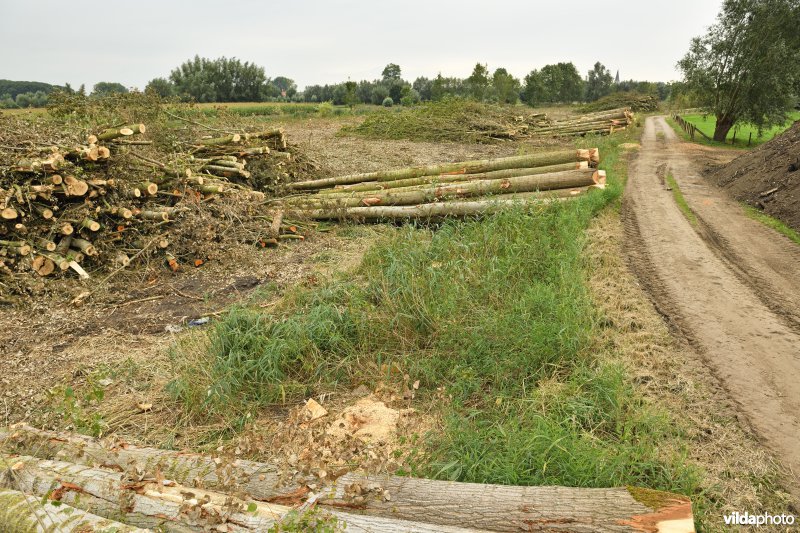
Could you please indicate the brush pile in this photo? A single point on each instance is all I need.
(468, 121)
(98, 204)
(439, 190)
(635, 101)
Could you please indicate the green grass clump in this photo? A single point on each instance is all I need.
(773, 223)
(680, 199)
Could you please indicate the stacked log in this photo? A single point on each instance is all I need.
(103, 202)
(176, 491)
(436, 191)
(599, 123)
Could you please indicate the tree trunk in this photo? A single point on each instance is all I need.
(464, 167)
(557, 180)
(22, 513)
(450, 178)
(509, 508)
(724, 125)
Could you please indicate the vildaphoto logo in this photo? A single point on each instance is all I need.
(764, 519)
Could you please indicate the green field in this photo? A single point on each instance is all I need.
(742, 132)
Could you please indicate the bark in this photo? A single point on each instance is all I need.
(147, 187)
(23, 513)
(465, 167)
(425, 211)
(91, 225)
(557, 180)
(226, 171)
(45, 244)
(126, 131)
(450, 178)
(275, 227)
(723, 127)
(507, 508)
(84, 246)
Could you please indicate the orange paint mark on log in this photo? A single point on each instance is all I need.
(674, 518)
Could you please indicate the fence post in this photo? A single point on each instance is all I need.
(693, 128)
(733, 141)
(750, 139)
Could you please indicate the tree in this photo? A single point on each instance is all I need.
(105, 88)
(506, 86)
(534, 92)
(423, 87)
(379, 94)
(161, 86)
(391, 72)
(220, 80)
(599, 82)
(478, 82)
(286, 86)
(747, 67)
(350, 98)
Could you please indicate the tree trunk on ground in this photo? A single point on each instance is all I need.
(22, 513)
(724, 125)
(463, 167)
(508, 508)
(557, 180)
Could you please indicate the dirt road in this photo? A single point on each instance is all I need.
(727, 283)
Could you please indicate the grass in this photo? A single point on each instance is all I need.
(773, 223)
(283, 110)
(680, 200)
(497, 311)
(707, 123)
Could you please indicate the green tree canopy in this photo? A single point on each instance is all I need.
(553, 83)
(285, 85)
(599, 82)
(506, 86)
(104, 88)
(391, 72)
(161, 86)
(478, 82)
(219, 80)
(747, 67)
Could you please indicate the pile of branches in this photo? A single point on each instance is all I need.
(636, 102)
(468, 121)
(440, 190)
(99, 204)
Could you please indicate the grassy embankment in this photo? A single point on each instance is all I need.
(771, 222)
(498, 312)
(706, 124)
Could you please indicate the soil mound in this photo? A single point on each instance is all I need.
(768, 177)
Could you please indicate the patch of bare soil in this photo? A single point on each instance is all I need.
(768, 177)
(738, 473)
(740, 328)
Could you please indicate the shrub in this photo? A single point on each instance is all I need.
(388, 102)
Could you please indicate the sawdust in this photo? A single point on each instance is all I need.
(369, 420)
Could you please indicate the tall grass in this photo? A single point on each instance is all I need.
(497, 312)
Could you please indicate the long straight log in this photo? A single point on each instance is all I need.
(506, 508)
(464, 167)
(227, 139)
(424, 211)
(540, 182)
(23, 513)
(450, 178)
(171, 506)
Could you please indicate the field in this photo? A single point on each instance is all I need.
(514, 349)
(743, 133)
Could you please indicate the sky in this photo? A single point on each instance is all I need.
(317, 41)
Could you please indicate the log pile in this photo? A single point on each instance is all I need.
(100, 204)
(452, 189)
(599, 123)
(64, 482)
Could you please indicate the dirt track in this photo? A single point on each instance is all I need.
(728, 284)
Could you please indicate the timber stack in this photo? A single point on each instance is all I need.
(109, 200)
(65, 482)
(599, 123)
(451, 189)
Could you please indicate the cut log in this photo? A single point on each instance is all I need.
(464, 167)
(147, 187)
(84, 246)
(91, 225)
(37, 166)
(44, 212)
(66, 229)
(45, 244)
(275, 227)
(74, 187)
(227, 139)
(43, 265)
(449, 178)
(23, 513)
(16, 247)
(9, 213)
(126, 131)
(505, 508)
(540, 182)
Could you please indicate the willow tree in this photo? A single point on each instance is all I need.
(747, 67)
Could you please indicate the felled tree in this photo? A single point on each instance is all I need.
(747, 67)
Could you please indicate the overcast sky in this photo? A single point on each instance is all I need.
(317, 41)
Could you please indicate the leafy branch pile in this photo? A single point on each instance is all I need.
(439, 190)
(458, 120)
(98, 202)
(635, 101)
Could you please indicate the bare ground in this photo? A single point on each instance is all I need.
(728, 286)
